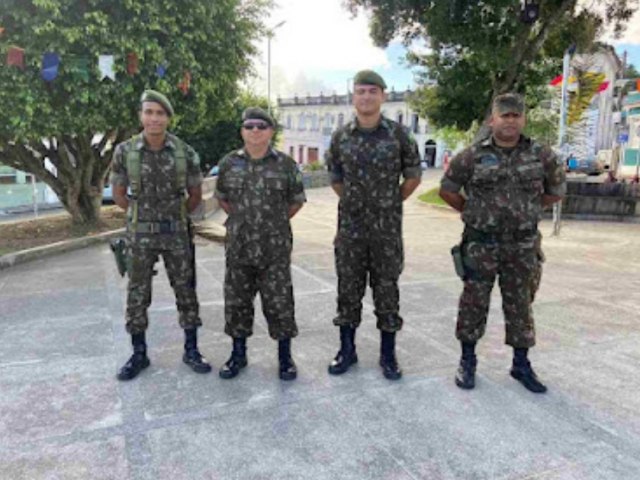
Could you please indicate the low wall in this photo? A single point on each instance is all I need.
(608, 200)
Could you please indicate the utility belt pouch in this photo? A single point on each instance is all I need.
(458, 263)
(120, 251)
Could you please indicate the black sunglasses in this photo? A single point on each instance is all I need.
(251, 126)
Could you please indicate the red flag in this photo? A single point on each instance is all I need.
(603, 86)
(185, 83)
(132, 63)
(556, 81)
(15, 57)
(638, 85)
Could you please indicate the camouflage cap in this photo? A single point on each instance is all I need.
(508, 103)
(157, 97)
(369, 77)
(256, 113)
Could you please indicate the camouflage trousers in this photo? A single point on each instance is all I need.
(518, 268)
(179, 270)
(381, 260)
(273, 281)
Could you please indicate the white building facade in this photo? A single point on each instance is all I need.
(308, 122)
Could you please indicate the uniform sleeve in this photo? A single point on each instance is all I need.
(459, 172)
(194, 174)
(333, 161)
(409, 156)
(554, 175)
(118, 177)
(221, 192)
(296, 186)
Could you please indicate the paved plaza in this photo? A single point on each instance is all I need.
(63, 414)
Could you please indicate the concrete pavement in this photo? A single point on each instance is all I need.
(64, 415)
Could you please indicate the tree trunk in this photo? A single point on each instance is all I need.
(80, 169)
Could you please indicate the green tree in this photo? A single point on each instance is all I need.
(76, 120)
(218, 139)
(478, 49)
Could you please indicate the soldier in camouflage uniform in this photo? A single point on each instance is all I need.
(149, 165)
(507, 179)
(261, 189)
(366, 159)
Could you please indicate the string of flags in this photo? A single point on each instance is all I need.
(557, 81)
(80, 65)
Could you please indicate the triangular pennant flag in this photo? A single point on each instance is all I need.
(80, 66)
(15, 57)
(161, 70)
(105, 64)
(132, 63)
(50, 64)
(603, 86)
(556, 81)
(185, 83)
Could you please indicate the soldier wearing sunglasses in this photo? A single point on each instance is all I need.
(260, 188)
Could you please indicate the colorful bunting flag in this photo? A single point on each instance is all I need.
(50, 64)
(105, 64)
(185, 83)
(15, 57)
(558, 80)
(603, 86)
(132, 63)
(79, 65)
(161, 70)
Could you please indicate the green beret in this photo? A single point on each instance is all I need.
(508, 103)
(157, 97)
(369, 77)
(256, 113)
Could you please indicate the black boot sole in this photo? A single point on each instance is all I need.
(288, 376)
(229, 373)
(342, 367)
(198, 367)
(131, 374)
(465, 385)
(530, 384)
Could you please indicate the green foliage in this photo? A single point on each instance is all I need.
(453, 136)
(480, 49)
(213, 40)
(432, 197)
(223, 136)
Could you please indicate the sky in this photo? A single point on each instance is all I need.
(320, 47)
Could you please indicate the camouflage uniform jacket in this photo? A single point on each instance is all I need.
(260, 193)
(369, 165)
(159, 199)
(504, 190)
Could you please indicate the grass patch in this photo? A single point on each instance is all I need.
(432, 197)
(55, 228)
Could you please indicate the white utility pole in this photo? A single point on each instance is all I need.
(270, 34)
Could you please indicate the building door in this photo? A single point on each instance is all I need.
(312, 154)
(430, 153)
(301, 154)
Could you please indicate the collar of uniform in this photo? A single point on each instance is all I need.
(169, 142)
(384, 122)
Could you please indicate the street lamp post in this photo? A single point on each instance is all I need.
(270, 34)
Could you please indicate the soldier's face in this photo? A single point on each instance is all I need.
(154, 118)
(368, 99)
(256, 133)
(507, 127)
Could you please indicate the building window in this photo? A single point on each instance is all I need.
(288, 121)
(340, 120)
(292, 152)
(301, 154)
(415, 123)
(301, 122)
(400, 118)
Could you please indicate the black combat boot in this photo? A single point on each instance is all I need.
(347, 354)
(138, 361)
(237, 361)
(388, 361)
(521, 370)
(466, 374)
(288, 370)
(191, 355)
